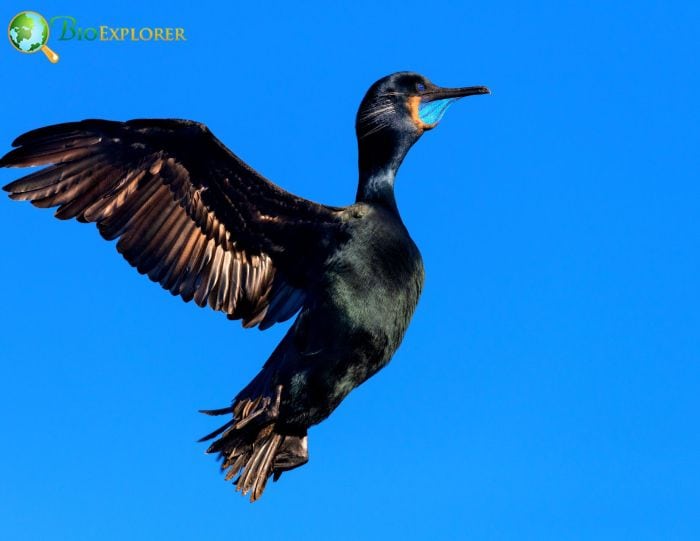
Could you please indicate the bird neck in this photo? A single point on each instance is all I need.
(377, 187)
(379, 161)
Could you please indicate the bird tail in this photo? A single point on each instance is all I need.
(251, 447)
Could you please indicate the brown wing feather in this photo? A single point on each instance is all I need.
(187, 212)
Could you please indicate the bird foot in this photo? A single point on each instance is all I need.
(293, 452)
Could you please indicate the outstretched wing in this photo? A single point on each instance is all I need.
(187, 211)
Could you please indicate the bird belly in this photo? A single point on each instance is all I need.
(354, 327)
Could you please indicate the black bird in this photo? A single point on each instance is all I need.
(196, 219)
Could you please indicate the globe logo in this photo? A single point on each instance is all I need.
(29, 32)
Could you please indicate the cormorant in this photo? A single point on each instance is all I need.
(196, 219)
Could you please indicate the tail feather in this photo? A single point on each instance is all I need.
(217, 432)
(251, 447)
(220, 411)
(257, 468)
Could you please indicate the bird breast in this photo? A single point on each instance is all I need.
(375, 282)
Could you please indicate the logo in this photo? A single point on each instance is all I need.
(29, 32)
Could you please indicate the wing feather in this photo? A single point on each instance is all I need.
(185, 210)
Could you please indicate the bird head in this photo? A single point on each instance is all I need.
(393, 115)
(404, 105)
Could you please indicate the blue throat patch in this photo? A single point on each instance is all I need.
(432, 111)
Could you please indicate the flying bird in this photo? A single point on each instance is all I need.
(195, 218)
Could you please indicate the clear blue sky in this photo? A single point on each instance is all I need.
(548, 387)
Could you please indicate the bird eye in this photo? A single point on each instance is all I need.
(420, 87)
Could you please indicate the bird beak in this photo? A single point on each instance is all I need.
(428, 107)
(439, 93)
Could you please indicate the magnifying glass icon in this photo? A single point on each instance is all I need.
(29, 32)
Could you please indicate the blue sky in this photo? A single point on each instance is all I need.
(548, 385)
